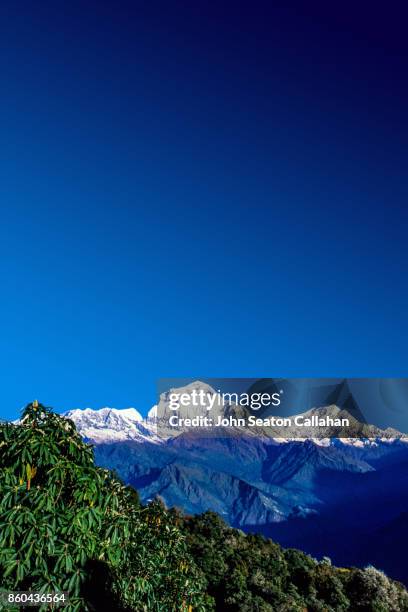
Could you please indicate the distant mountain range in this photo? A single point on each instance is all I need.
(112, 425)
(345, 498)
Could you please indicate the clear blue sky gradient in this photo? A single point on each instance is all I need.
(195, 191)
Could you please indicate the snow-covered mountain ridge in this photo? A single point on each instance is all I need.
(112, 425)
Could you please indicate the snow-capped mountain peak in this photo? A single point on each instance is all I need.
(129, 413)
(111, 425)
(152, 414)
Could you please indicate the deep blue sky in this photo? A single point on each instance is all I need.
(196, 191)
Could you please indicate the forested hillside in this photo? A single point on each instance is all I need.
(67, 525)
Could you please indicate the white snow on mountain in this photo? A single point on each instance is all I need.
(152, 414)
(112, 425)
(130, 413)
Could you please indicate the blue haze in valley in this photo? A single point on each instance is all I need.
(194, 190)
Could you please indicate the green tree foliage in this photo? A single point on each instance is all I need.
(251, 573)
(66, 524)
(372, 591)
